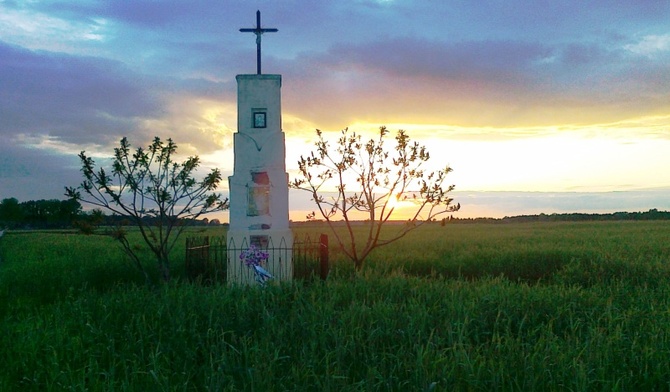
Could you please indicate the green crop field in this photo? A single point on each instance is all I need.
(475, 307)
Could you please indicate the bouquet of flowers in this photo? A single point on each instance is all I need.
(253, 257)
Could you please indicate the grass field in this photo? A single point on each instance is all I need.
(480, 307)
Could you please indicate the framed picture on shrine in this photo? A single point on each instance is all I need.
(259, 120)
(258, 200)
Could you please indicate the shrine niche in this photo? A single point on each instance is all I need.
(258, 194)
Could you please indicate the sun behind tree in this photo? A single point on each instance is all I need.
(384, 179)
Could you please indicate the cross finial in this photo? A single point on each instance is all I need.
(258, 31)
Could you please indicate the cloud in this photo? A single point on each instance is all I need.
(76, 99)
(86, 101)
(650, 45)
(411, 57)
(407, 80)
(21, 25)
(476, 83)
(31, 174)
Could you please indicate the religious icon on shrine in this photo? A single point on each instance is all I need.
(258, 194)
(259, 120)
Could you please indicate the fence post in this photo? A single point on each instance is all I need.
(323, 242)
(206, 262)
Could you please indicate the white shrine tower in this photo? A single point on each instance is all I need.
(259, 184)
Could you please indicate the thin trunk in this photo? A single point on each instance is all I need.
(164, 268)
(358, 263)
(165, 273)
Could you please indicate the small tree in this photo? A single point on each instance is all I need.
(157, 194)
(382, 179)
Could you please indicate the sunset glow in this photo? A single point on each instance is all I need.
(537, 107)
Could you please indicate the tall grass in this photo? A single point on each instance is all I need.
(421, 316)
(528, 252)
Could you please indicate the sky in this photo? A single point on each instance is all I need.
(537, 106)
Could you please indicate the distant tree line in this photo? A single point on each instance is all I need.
(62, 214)
(652, 214)
(38, 214)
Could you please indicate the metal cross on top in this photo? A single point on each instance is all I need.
(258, 31)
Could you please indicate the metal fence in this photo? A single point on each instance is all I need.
(208, 258)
